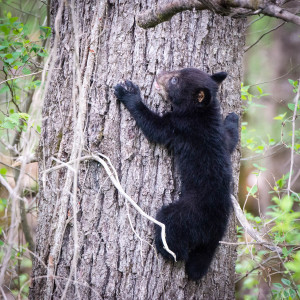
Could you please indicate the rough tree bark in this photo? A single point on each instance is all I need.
(97, 245)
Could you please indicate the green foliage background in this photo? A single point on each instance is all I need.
(279, 224)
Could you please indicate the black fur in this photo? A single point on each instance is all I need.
(201, 143)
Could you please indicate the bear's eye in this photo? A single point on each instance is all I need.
(174, 80)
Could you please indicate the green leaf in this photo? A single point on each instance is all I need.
(286, 294)
(4, 89)
(42, 54)
(286, 252)
(3, 171)
(252, 190)
(280, 117)
(291, 106)
(4, 28)
(286, 203)
(26, 71)
(23, 116)
(250, 282)
(286, 282)
(46, 31)
(274, 292)
(259, 167)
(36, 83)
(25, 58)
(16, 54)
(19, 64)
(35, 48)
(12, 20)
(8, 125)
(292, 293)
(295, 265)
(8, 55)
(257, 219)
(292, 82)
(259, 89)
(9, 61)
(11, 122)
(278, 285)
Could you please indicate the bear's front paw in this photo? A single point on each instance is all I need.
(232, 117)
(127, 92)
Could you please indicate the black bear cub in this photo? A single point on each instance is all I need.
(202, 143)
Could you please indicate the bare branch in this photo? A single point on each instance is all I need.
(162, 13)
(249, 229)
(280, 13)
(266, 8)
(152, 17)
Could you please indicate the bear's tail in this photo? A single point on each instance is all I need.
(199, 261)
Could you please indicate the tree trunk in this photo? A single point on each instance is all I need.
(94, 254)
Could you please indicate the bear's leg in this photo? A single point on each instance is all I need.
(231, 124)
(176, 237)
(199, 261)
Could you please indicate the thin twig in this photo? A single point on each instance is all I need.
(263, 156)
(244, 243)
(22, 11)
(257, 267)
(296, 99)
(272, 80)
(127, 207)
(120, 189)
(22, 76)
(252, 22)
(257, 41)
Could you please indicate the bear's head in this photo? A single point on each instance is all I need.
(189, 88)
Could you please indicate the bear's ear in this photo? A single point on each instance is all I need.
(219, 77)
(203, 96)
